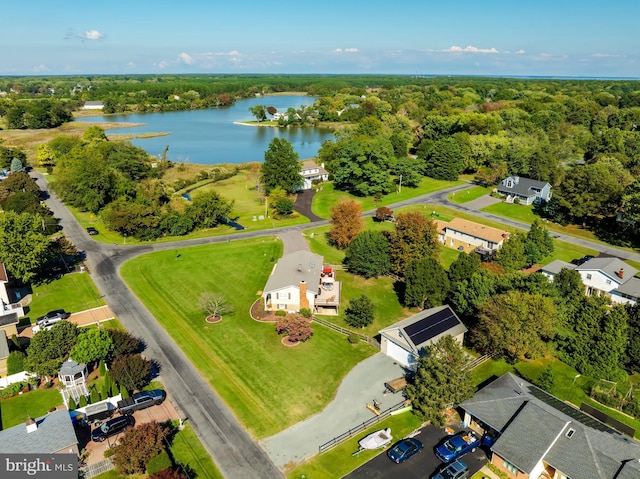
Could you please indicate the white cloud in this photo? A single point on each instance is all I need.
(41, 68)
(91, 35)
(470, 49)
(163, 64)
(186, 58)
(520, 52)
(131, 65)
(607, 55)
(345, 50)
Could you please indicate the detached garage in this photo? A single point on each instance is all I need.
(403, 341)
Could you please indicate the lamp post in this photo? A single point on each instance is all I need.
(125, 238)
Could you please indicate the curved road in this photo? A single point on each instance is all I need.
(235, 452)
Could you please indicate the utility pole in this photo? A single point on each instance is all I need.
(400, 185)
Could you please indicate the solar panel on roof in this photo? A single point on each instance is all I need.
(570, 411)
(431, 326)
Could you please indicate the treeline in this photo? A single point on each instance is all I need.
(35, 114)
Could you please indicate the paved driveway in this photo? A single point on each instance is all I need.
(362, 385)
(482, 202)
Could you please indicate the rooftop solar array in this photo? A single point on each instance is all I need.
(570, 411)
(431, 326)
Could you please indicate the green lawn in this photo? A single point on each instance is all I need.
(267, 385)
(74, 292)
(15, 410)
(187, 449)
(338, 462)
(470, 194)
(325, 199)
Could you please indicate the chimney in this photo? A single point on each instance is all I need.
(621, 273)
(304, 301)
(31, 426)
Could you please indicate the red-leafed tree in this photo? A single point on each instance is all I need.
(169, 474)
(383, 213)
(295, 326)
(138, 446)
(346, 221)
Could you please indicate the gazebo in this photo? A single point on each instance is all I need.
(73, 377)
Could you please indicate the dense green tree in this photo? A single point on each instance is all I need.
(441, 378)
(360, 312)
(18, 183)
(362, 165)
(632, 358)
(23, 245)
(283, 207)
(515, 325)
(259, 111)
(512, 256)
(538, 243)
(443, 160)
(94, 134)
(92, 345)
(281, 167)
(546, 379)
(368, 254)
(7, 154)
(48, 349)
(426, 283)
(209, 209)
(414, 236)
(463, 267)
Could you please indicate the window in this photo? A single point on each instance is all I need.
(510, 467)
(589, 276)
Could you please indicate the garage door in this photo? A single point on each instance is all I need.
(398, 353)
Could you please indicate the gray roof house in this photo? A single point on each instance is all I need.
(301, 280)
(540, 436)
(50, 434)
(604, 275)
(527, 191)
(405, 340)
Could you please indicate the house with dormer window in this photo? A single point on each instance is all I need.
(525, 190)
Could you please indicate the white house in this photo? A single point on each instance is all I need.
(301, 280)
(8, 311)
(526, 190)
(606, 276)
(405, 340)
(466, 235)
(310, 171)
(93, 105)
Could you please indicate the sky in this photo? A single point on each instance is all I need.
(582, 38)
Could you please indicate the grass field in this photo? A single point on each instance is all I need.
(267, 385)
(73, 292)
(325, 199)
(16, 409)
(470, 194)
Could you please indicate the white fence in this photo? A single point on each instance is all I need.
(15, 378)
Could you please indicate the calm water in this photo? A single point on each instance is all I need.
(210, 136)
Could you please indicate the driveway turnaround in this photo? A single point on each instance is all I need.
(362, 385)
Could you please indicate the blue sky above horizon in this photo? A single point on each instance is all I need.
(523, 38)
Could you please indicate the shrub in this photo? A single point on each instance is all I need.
(83, 401)
(305, 312)
(295, 326)
(281, 313)
(159, 463)
(124, 392)
(71, 404)
(353, 338)
(102, 368)
(94, 395)
(360, 312)
(15, 362)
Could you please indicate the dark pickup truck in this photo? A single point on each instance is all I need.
(141, 400)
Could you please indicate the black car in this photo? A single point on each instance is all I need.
(111, 427)
(141, 400)
(404, 449)
(455, 470)
(92, 231)
(52, 317)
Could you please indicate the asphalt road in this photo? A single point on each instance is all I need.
(235, 452)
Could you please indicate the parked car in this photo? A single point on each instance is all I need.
(111, 427)
(52, 317)
(581, 261)
(454, 470)
(141, 400)
(404, 449)
(457, 446)
(92, 231)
